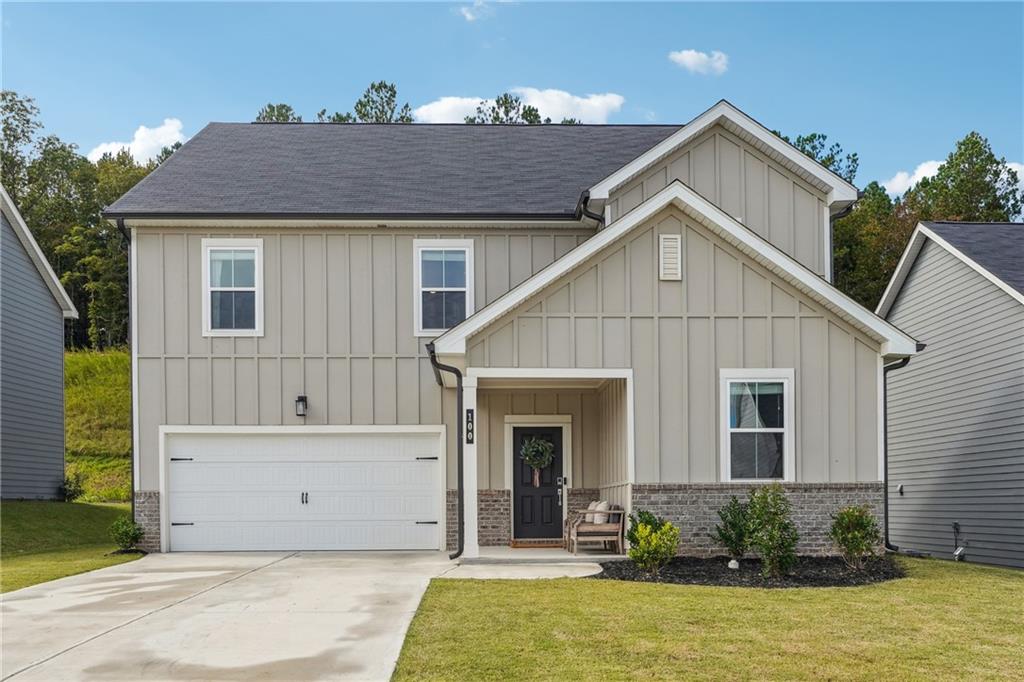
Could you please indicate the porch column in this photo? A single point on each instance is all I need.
(471, 543)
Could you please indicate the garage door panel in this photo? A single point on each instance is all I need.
(297, 491)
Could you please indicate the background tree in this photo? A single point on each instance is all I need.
(506, 109)
(971, 185)
(20, 123)
(277, 113)
(815, 145)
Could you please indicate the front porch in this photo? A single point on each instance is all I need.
(585, 414)
(539, 555)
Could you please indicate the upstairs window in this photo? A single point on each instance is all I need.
(444, 284)
(232, 287)
(757, 420)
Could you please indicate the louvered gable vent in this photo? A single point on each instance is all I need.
(670, 257)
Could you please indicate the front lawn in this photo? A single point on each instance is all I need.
(943, 621)
(41, 541)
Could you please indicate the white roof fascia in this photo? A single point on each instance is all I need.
(894, 341)
(917, 239)
(36, 255)
(838, 189)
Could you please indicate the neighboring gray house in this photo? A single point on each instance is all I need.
(956, 413)
(339, 331)
(33, 307)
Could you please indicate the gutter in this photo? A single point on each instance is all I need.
(899, 364)
(831, 228)
(438, 368)
(582, 211)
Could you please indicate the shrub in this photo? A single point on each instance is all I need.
(642, 517)
(733, 532)
(855, 532)
(772, 534)
(654, 546)
(73, 486)
(125, 533)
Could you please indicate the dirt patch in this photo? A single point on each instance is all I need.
(808, 572)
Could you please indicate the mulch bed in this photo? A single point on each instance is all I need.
(808, 572)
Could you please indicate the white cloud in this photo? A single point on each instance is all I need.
(902, 181)
(703, 63)
(551, 103)
(146, 143)
(477, 10)
(446, 110)
(559, 104)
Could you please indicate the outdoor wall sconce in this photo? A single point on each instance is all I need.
(300, 406)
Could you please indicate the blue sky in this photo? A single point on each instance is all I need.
(898, 83)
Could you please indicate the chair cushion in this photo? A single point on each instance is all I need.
(589, 518)
(597, 529)
(601, 506)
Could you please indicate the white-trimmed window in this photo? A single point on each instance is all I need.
(757, 424)
(443, 284)
(232, 287)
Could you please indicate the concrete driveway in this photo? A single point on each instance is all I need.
(258, 616)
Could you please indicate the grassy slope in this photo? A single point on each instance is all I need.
(98, 418)
(42, 541)
(943, 621)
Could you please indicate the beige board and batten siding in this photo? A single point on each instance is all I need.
(727, 312)
(956, 414)
(338, 328)
(760, 193)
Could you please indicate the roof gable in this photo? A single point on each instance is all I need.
(894, 342)
(735, 121)
(992, 249)
(35, 254)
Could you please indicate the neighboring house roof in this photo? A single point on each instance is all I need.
(36, 255)
(385, 170)
(996, 250)
(723, 113)
(894, 342)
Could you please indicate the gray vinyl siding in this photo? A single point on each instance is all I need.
(728, 312)
(31, 377)
(956, 414)
(338, 307)
(770, 200)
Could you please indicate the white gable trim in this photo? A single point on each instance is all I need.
(838, 189)
(894, 341)
(36, 255)
(907, 260)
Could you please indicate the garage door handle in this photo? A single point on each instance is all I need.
(422, 458)
(181, 459)
(426, 523)
(182, 524)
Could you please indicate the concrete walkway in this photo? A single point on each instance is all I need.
(272, 616)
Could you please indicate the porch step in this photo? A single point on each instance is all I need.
(534, 556)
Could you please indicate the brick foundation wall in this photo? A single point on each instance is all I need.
(694, 509)
(147, 515)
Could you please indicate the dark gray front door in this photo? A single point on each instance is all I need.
(537, 512)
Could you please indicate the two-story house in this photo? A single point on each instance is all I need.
(344, 334)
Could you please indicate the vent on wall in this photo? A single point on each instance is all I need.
(670, 256)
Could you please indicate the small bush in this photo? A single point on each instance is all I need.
(855, 532)
(733, 532)
(642, 517)
(772, 534)
(125, 533)
(73, 486)
(654, 546)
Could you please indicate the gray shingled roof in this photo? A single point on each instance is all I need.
(997, 247)
(386, 170)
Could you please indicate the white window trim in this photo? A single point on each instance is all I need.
(786, 376)
(420, 245)
(224, 244)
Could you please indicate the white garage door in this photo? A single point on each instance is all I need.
(328, 491)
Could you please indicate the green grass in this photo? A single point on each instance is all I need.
(41, 541)
(97, 406)
(943, 621)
